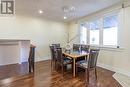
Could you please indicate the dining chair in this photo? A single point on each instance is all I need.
(62, 60)
(76, 47)
(56, 45)
(53, 56)
(90, 64)
(85, 47)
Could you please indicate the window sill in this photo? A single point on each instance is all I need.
(109, 48)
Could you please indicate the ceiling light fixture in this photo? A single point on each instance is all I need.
(68, 11)
(65, 17)
(40, 11)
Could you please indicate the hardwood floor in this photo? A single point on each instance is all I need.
(45, 77)
(13, 70)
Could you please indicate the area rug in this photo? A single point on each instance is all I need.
(122, 79)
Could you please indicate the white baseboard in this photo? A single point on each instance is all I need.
(9, 63)
(42, 59)
(114, 69)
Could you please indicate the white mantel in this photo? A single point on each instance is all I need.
(14, 51)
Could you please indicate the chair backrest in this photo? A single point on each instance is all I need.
(52, 50)
(85, 48)
(59, 55)
(76, 47)
(92, 61)
(56, 45)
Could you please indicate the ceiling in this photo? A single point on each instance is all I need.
(53, 8)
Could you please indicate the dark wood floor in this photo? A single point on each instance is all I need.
(12, 70)
(45, 77)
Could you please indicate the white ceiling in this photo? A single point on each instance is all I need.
(53, 8)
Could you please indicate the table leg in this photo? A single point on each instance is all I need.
(85, 57)
(74, 67)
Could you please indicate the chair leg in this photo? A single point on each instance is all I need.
(51, 63)
(87, 75)
(33, 67)
(62, 70)
(96, 73)
(56, 65)
(76, 69)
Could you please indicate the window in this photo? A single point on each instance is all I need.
(94, 32)
(110, 28)
(83, 34)
(103, 31)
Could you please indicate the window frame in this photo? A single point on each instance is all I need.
(108, 15)
(100, 18)
(90, 30)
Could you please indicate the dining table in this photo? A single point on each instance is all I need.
(74, 55)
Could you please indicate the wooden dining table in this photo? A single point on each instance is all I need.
(75, 55)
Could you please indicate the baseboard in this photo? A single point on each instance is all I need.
(9, 63)
(114, 69)
(42, 59)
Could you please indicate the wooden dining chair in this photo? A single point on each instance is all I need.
(76, 47)
(56, 45)
(53, 56)
(62, 60)
(90, 64)
(85, 47)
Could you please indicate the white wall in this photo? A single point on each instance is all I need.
(9, 54)
(73, 32)
(114, 59)
(40, 31)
